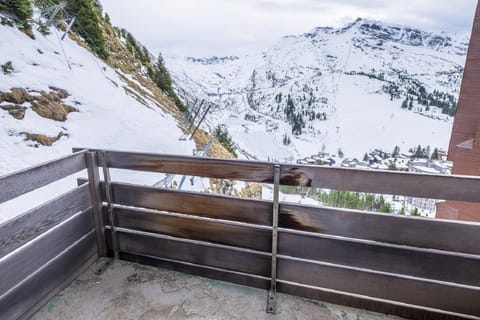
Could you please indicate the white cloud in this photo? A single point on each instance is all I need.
(229, 27)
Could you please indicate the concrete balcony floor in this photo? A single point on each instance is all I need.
(125, 290)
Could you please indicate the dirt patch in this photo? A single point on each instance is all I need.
(60, 93)
(217, 150)
(16, 95)
(50, 105)
(15, 110)
(43, 139)
(54, 110)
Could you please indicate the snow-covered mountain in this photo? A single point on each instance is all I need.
(363, 86)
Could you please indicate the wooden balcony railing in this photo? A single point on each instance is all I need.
(407, 266)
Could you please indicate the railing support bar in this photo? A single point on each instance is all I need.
(272, 302)
(108, 196)
(96, 200)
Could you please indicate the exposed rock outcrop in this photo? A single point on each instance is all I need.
(15, 110)
(43, 139)
(16, 95)
(48, 104)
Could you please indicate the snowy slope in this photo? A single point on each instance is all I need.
(356, 77)
(107, 116)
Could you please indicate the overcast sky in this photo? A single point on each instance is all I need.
(203, 28)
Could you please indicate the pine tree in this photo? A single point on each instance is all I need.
(21, 9)
(415, 212)
(396, 152)
(160, 75)
(221, 133)
(107, 18)
(87, 24)
(435, 154)
(418, 152)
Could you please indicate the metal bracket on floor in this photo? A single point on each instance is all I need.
(108, 196)
(272, 293)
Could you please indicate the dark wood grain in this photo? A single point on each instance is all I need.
(462, 188)
(94, 188)
(26, 260)
(388, 228)
(20, 182)
(443, 296)
(201, 254)
(207, 167)
(26, 298)
(392, 308)
(199, 270)
(194, 203)
(21, 229)
(403, 260)
(238, 235)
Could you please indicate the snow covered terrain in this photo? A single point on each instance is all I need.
(326, 90)
(107, 116)
(332, 88)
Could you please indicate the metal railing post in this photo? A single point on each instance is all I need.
(272, 302)
(108, 198)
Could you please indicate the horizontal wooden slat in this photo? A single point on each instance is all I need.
(20, 182)
(453, 298)
(206, 167)
(461, 188)
(21, 229)
(238, 235)
(246, 261)
(366, 303)
(199, 270)
(26, 298)
(389, 228)
(420, 185)
(388, 258)
(27, 259)
(194, 203)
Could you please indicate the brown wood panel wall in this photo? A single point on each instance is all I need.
(30, 295)
(186, 227)
(20, 182)
(28, 259)
(338, 244)
(19, 230)
(415, 291)
(385, 228)
(45, 248)
(461, 188)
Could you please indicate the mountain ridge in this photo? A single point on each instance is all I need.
(295, 84)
